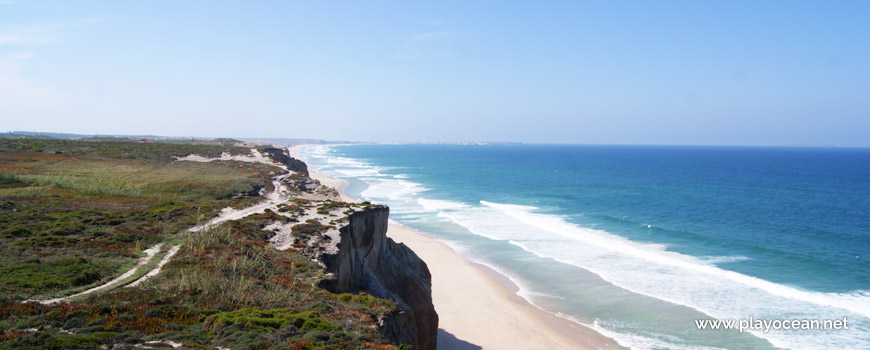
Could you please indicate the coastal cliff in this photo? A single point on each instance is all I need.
(356, 255)
(233, 260)
(281, 155)
(368, 261)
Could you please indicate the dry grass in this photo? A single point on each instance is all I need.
(83, 185)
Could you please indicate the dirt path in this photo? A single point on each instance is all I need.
(156, 269)
(272, 199)
(149, 253)
(278, 195)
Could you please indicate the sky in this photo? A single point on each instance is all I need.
(602, 72)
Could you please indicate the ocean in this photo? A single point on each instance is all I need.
(639, 242)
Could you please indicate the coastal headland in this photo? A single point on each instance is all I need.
(478, 308)
(123, 244)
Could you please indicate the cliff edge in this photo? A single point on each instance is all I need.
(281, 155)
(368, 261)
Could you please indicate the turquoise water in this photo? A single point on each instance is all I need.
(639, 241)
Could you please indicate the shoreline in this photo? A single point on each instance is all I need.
(478, 307)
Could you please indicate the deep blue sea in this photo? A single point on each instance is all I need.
(637, 242)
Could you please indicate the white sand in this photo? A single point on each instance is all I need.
(477, 307)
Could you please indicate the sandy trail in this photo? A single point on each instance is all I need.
(156, 270)
(149, 253)
(277, 196)
(255, 157)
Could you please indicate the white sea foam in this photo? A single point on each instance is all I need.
(359, 172)
(392, 189)
(723, 259)
(638, 341)
(340, 161)
(644, 268)
(656, 254)
(309, 153)
(485, 226)
(652, 270)
(437, 204)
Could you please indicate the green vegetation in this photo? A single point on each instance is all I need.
(329, 205)
(310, 227)
(85, 185)
(261, 321)
(58, 274)
(152, 151)
(61, 208)
(226, 287)
(75, 214)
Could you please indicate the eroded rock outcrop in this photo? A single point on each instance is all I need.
(368, 261)
(356, 253)
(281, 155)
(309, 188)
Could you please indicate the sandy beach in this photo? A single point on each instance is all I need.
(477, 307)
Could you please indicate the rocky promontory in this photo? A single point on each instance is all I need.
(281, 155)
(121, 245)
(369, 261)
(359, 258)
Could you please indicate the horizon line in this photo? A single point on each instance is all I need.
(464, 142)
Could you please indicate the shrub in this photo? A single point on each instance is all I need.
(46, 241)
(8, 179)
(310, 227)
(84, 185)
(62, 273)
(65, 228)
(262, 320)
(316, 336)
(318, 324)
(16, 231)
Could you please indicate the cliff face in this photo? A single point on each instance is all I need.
(281, 156)
(367, 260)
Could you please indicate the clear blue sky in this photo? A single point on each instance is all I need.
(654, 72)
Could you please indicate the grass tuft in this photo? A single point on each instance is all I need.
(84, 185)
